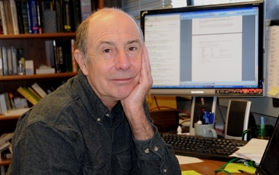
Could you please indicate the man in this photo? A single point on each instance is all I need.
(98, 122)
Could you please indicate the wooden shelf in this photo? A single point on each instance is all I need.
(36, 76)
(36, 36)
(5, 162)
(3, 117)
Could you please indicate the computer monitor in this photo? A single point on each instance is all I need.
(211, 50)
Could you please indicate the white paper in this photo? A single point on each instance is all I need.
(272, 42)
(253, 150)
(187, 160)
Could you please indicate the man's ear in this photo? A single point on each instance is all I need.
(81, 60)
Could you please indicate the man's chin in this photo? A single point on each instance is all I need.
(124, 93)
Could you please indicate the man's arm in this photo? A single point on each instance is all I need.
(154, 156)
(40, 149)
(133, 104)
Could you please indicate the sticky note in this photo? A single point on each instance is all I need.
(190, 172)
(273, 91)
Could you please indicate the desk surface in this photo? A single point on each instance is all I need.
(206, 167)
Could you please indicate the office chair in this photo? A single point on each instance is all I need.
(238, 119)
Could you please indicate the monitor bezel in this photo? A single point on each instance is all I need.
(258, 92)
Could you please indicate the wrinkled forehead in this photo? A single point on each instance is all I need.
(114, 22)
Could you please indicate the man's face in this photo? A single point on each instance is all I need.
(114, 54)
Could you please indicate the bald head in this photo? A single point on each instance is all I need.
(103, 18)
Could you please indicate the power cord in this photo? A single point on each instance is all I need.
(222, 168)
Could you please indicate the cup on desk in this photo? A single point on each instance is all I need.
(264, 132)
(205, 130)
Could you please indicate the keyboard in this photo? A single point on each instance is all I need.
(203, 147)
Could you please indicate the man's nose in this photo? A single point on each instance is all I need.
(123, 61)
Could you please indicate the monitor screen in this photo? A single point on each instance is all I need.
(212, 50)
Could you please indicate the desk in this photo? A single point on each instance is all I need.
(206, 167)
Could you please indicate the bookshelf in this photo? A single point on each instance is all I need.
(34, 49)
(36, 76)
(37, 36)
(34, 46)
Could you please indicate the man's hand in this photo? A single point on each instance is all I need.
(133, 104)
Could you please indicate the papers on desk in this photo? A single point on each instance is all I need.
(272, 41)
(187, 160)
(253, 150)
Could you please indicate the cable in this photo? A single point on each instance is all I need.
(167, 107)
(222, 168)
(221, 114)
(247, 131)
(155, 98)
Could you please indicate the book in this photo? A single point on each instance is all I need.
(66, 14)
(20, 23)
(85, 9)
(4, 146)
(28, 16)
(3, 104)
(3, 19)
(23, 102)
(67, 55)
(39, 16)
(49, 88)
(7, 99)
(7, 11)
(49, 18)
(39, 90)
(20, 103)
(49, 53)
(32, 9)
(17, 112)
(14, 16)
(58, 56)
(17, 103)
(59, 16)
(1, 110)
(12, 102)
(27, 95)
(5, 61)
(5, 140)
(76, 15)
(1, 63)
(14, 61)
(25, 16)
(10, 62)
(48, 70)
(34, 93)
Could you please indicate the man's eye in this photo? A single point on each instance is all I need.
(107, 50)
(132, 48)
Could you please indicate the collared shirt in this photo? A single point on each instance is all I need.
(71, 132)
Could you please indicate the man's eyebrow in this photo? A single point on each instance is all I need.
(113, 44)
(133, 41)
(105, 42)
